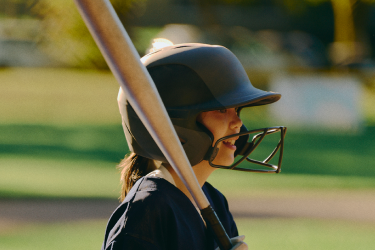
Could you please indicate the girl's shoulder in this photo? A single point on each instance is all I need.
(154, 210)
(221, 207)
(147, 189)
(153, 192)
(212, 193)
(153, 197)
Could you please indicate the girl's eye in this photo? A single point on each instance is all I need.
(222, 110)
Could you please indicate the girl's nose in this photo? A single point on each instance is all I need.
(236, 121)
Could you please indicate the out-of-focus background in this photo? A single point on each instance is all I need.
(61, 135)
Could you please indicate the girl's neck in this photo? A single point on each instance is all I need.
(202, 171)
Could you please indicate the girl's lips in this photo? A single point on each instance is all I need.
(232, 147)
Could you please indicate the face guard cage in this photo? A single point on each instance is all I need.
(249, 148)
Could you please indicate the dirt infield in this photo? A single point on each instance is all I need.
(358, 206)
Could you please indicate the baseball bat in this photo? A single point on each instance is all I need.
(133, 77)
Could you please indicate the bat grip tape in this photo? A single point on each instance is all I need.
(214, 223)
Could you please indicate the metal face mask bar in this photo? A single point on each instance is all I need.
(250, 146)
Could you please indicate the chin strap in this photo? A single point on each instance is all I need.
(211, 154)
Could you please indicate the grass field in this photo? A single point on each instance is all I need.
(60, 236)
(60, 136)
(82, 148)
(57, 96)
(282, 234)
(38, 177)
(30, 177)
(71, 114)
(295, 234)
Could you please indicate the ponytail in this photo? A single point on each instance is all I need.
(133, 167)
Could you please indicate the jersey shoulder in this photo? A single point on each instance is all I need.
(214, 194)
(153, 211)
(221, 207)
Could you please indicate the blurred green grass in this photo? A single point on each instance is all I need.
(57, 96)
(305, 153)
(76, 160)
(88, 142)
(306, 234)
(27, 177)
(68, 235)
(61, 122)
(288, 234)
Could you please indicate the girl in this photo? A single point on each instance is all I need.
(203, 88)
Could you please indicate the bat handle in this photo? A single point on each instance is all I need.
(214, 223)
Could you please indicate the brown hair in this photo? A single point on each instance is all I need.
(133, 167)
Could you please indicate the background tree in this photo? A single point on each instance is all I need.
(66, 37)
(349, 43)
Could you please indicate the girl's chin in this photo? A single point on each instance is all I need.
(224, 161)
(225, 156)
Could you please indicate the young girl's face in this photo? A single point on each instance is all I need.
(222, 123)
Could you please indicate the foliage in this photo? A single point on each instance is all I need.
(293, 6)
(16, 8)
(66, 37)
(278, 2)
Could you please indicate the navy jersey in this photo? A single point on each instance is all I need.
(157, 215)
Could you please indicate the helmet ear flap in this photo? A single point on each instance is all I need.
(199, 141)
(196, 139)
(206, 130)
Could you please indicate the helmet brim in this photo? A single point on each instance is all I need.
(256, 97)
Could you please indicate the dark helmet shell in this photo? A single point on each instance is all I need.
(191, 78)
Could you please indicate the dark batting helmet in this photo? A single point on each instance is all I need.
(194, 78)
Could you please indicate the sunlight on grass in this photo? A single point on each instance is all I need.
(58, 96)
(288, 234)
(307, 234)
(73, 235)
(62, 178)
